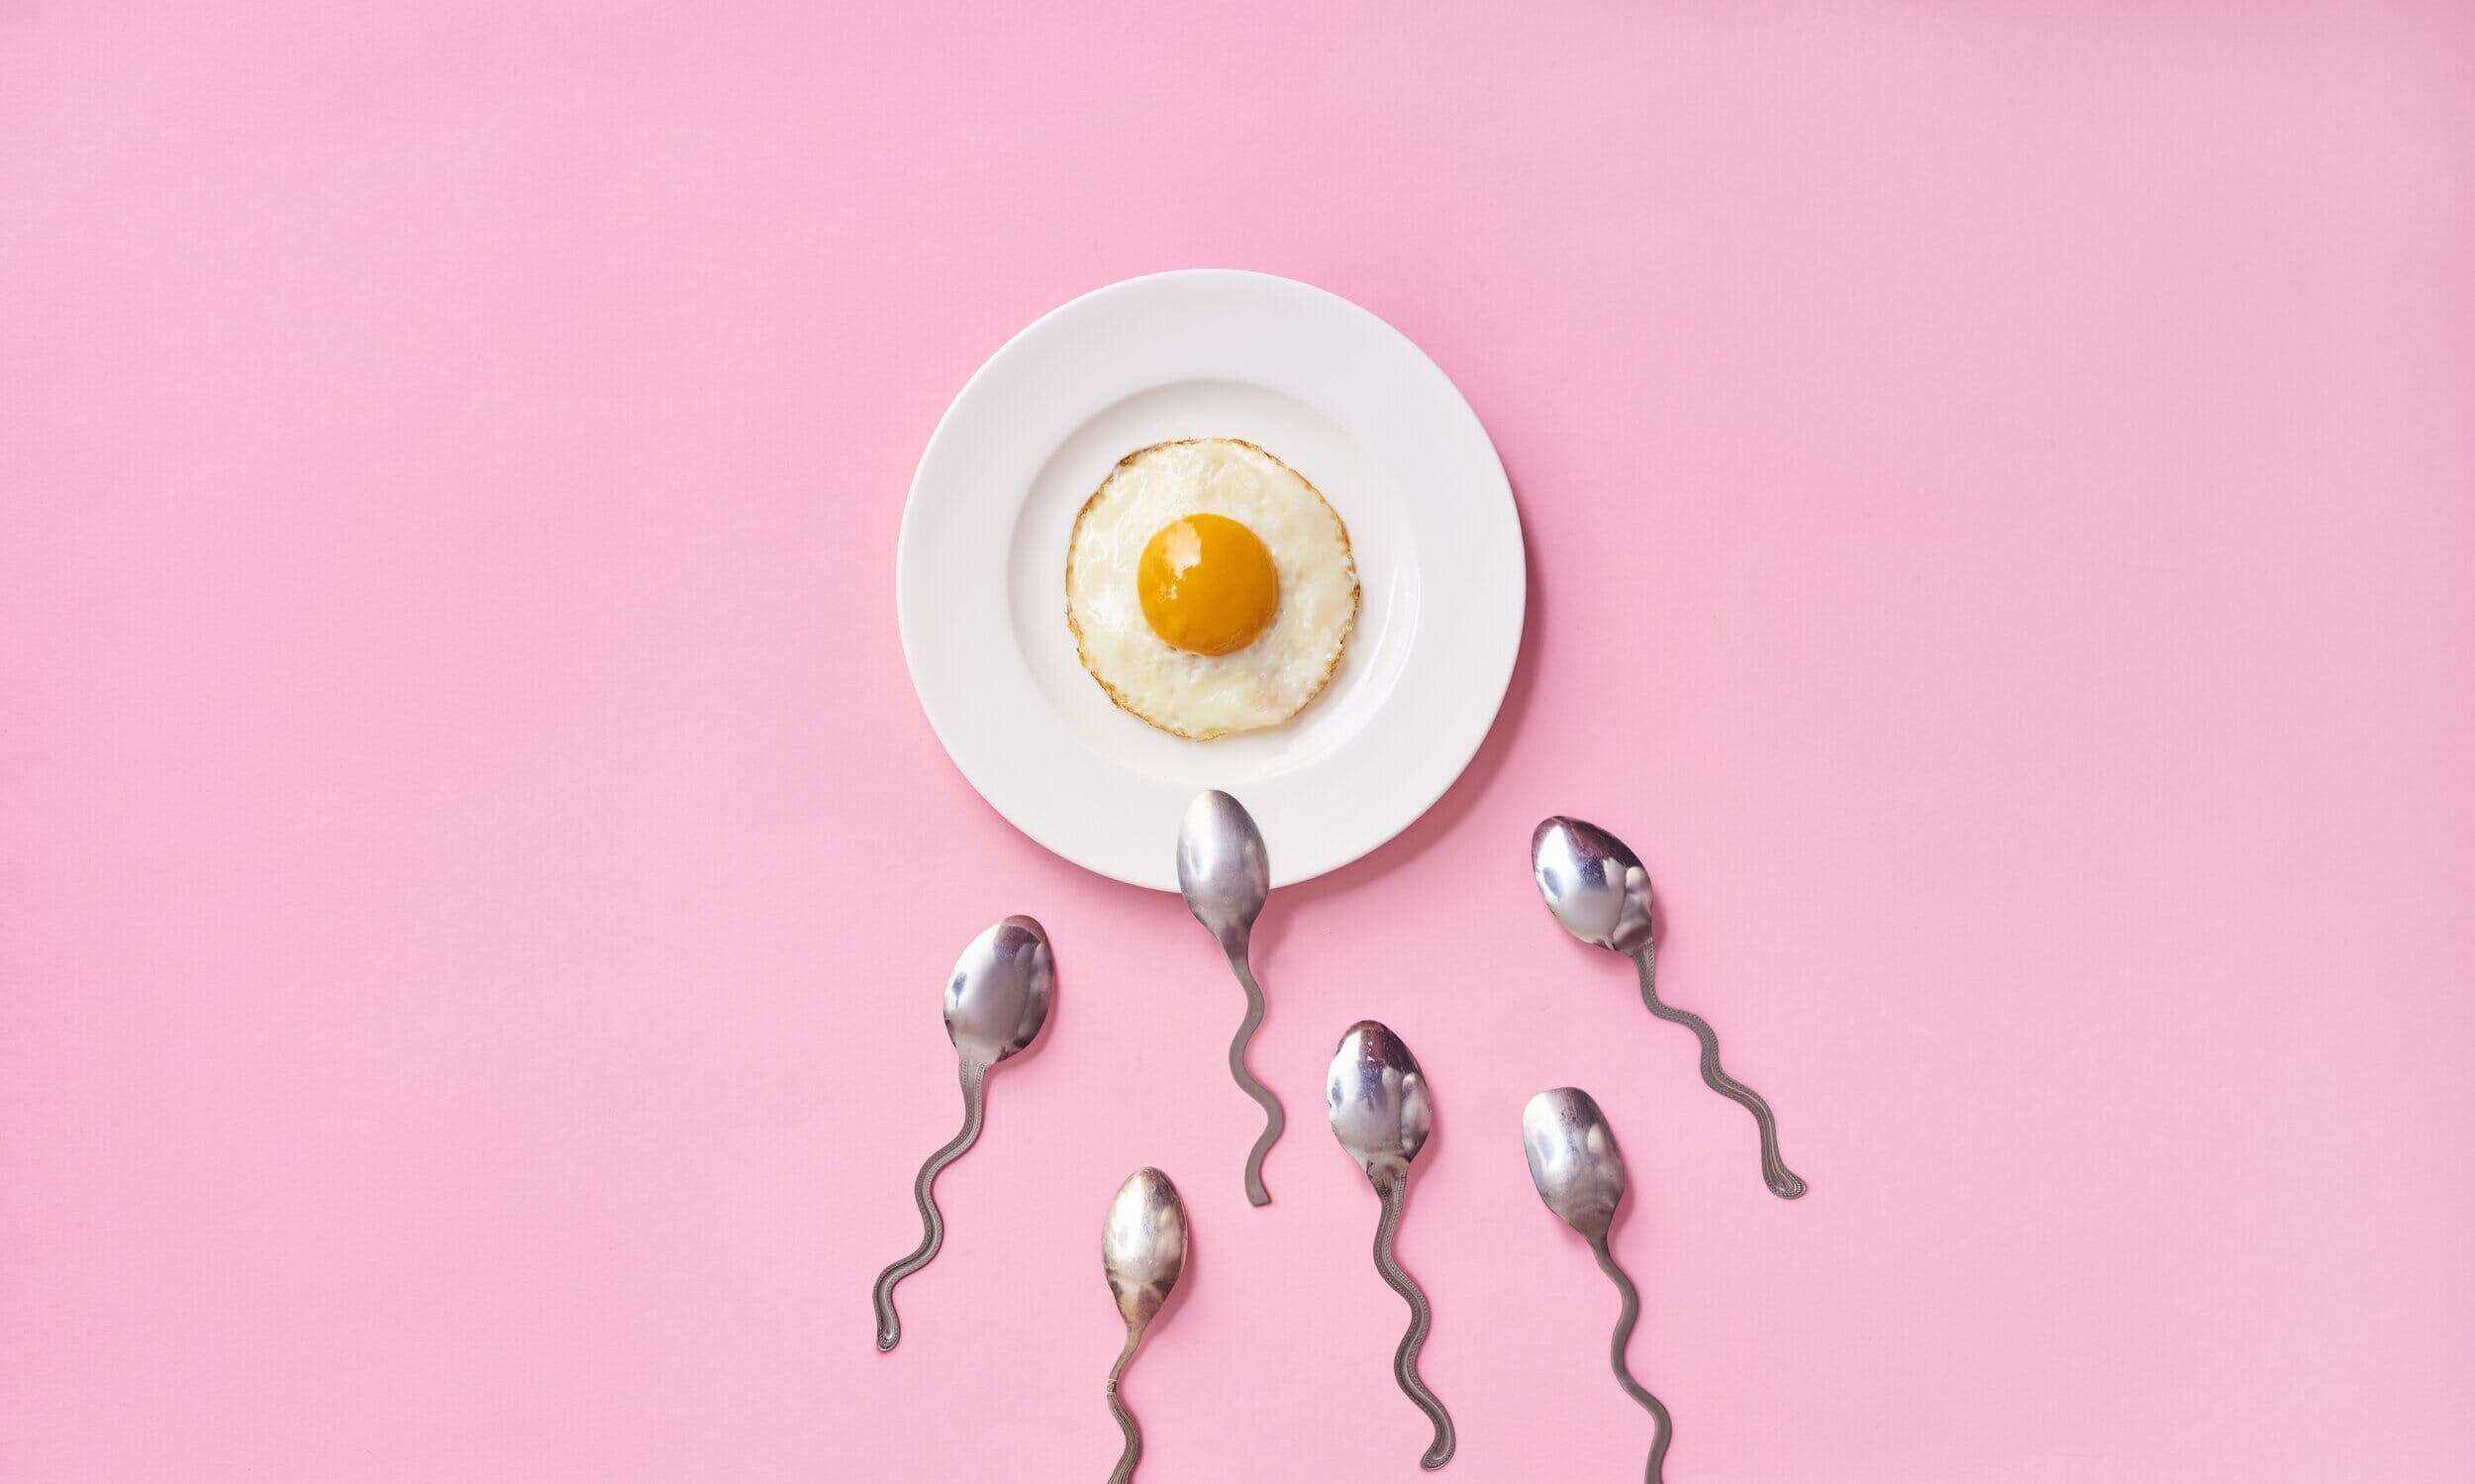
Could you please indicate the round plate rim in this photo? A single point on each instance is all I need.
(1291, 862)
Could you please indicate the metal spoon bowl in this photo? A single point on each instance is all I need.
(1223, 869)
(1573, 1159)
(1224, 876)
(995, 1005)
(1580, 1175)
(1593, 885)
(1596, 888)
(1381, 1114)
(1380, 1110)
(1143, 1251)
(999, 996)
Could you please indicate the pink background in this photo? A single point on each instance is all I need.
(475, 885)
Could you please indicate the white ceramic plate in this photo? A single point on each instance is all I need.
(1340, 395)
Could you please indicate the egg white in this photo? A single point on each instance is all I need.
(1203, 696)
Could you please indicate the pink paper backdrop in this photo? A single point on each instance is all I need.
(475, 882)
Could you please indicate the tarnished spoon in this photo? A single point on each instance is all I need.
(1224, 874)
(1580, 1174)
(1381, 1115)
(1142, 1249)
(995, 1005)
(1598, 890)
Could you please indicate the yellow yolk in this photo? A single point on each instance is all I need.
(1207, 584)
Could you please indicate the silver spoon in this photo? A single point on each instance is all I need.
(1381, 1115)
(1142, 1249)
(1580, 1174)
(1598, 890)
(995, 1005)
(1223, 873)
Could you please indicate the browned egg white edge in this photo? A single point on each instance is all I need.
(1084, 655)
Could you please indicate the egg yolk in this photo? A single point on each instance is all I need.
(1207, 584)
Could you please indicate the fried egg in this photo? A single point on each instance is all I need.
(1210, 587)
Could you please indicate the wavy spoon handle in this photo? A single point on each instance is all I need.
(932, 1220)
(1783, 1182)
(1133, 1450)
(1624, 1372)
(1405, 1359)
(1273, 1120)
